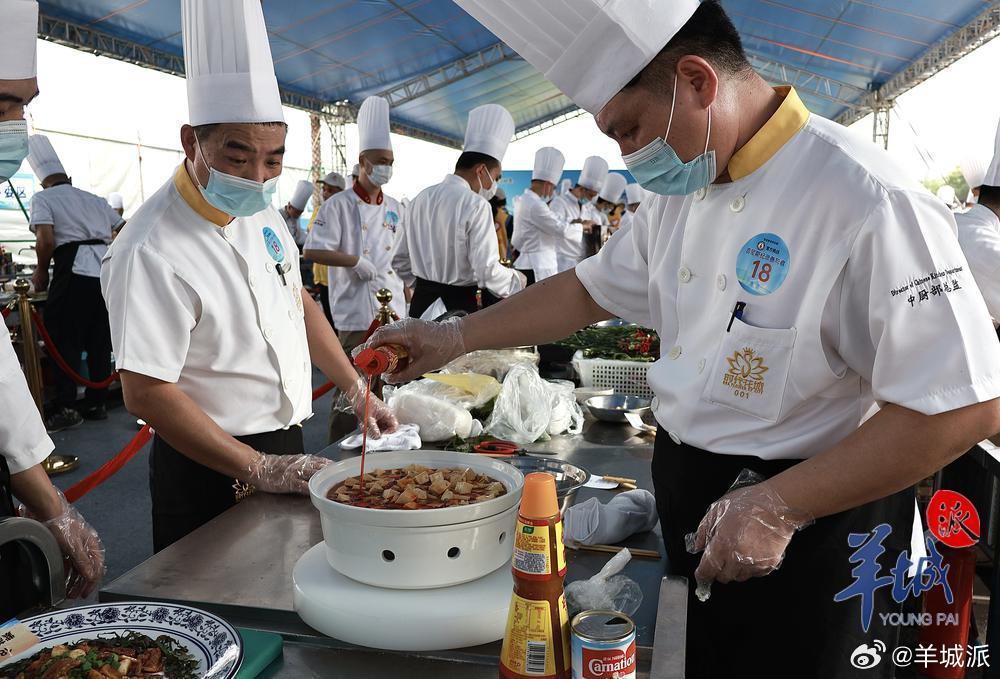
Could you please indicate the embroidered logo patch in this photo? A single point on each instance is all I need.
(746, 373)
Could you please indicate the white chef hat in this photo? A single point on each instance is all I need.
(335, 179)
(116, 200)
(356, 170)
(373, 124)
(946, 194)
(548, 164)
(42, 157)
(634, 193)
(303, 191)
(565, 185)
(613, 187)
(593, 174)
(974, 169)
(489, 131)
(992, 177)
(18, 35)
(227, 59)
(589, 49)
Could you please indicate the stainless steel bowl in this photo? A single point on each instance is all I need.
(613, 323)
(569, 477)
(613, 408)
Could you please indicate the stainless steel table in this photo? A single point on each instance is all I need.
(239, 566)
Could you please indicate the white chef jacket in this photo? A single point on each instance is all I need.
(625, 220)
(856, 292)
(571, 249)
(195, 299)
(538, 230)
(346, 223)
(450, 238)
(23, 441)
(76, 215)
(294, 227)
(979, 236)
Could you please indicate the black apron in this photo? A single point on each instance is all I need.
(784, 624)
(186, 495)
(455, 297)
(17, 593)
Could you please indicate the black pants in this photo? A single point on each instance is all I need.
(17, 592)
(785, 624)
(187, 495)
(529, 274)
(455, 297)
(77, 320)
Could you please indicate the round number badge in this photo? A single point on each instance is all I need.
(762, 264)
(273, 245)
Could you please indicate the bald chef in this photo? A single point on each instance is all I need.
(23, 441)
(355, 233)
(577, 206)
(979, 233)
(449, 248)
(783, 321)
(292, 212)
(537, 228)
(212, 330)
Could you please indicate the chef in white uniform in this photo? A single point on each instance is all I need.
(72, 230)
(449, 248)
(23, 441)
(782, 321)
(974, 170)
(609, 198)
(577, 206)
(634, 195)
(539, 230)
(213, 333)
(292, 212)
(355, 233)
(332, 184)
(979, 234)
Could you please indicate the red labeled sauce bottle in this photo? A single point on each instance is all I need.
(536, 641)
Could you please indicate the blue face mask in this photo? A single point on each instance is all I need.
(582, 201)
(13, 147)
(236, 196)
(657, 167)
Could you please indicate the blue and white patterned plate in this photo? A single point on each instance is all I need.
(212, 641)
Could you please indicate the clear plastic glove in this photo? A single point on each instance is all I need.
(381, 419)
(429, 345)
(284, 473)
(364, 270)
(744, 535)
(607, 590)
(81, 548)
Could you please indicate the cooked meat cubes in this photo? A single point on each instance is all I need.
(417, 487)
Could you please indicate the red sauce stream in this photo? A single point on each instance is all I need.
(364, 430)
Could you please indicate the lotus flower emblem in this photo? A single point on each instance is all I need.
(746, 365)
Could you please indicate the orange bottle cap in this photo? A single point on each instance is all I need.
(539, 501)
(372, 361)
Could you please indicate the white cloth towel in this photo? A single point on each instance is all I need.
(407, 437)
(593, 523)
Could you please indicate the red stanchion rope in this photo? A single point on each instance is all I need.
(6, 311)
(320, 391)
(61, 362)
(109, 468)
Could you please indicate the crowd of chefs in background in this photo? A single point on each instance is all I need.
(177, 315)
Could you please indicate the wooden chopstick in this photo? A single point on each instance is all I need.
(611, 549)
(619, 479)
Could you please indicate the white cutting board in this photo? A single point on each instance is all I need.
(400, 619)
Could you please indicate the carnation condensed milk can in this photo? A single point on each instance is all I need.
(603, 645)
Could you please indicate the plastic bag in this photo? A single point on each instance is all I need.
(523, 409)
(567, 416)
(494, 362)
(438, 420)
(606, 591)
(467, 390)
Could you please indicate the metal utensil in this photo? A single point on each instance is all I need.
(613, 323)
(613, 408)
(569, 477)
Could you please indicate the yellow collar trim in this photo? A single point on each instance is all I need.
(192, 196)
(790, 117)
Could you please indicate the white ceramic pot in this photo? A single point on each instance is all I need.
(418, 549)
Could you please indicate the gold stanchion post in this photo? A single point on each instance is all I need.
(53, 464)
(384, 315)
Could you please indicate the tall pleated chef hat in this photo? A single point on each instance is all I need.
(303, 191)
(548, 164)
(565, 185)
(18, 35)
(116, 200)
(489, 132)
(589, 49)
(593, 174)
(974, 169)
(42, 157)
(992, 177)
(634, 194)
(613, 187)
(373, 124)
(335, 179)
(227, 59)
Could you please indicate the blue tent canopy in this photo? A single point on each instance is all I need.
(435, 63)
